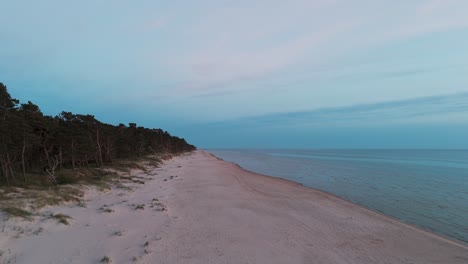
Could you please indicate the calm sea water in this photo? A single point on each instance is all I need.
(428, 188)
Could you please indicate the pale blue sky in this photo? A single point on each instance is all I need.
(299, 73)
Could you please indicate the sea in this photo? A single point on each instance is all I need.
(427, 188)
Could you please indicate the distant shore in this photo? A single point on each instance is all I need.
(197, 208)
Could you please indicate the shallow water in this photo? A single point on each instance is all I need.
(428, 188)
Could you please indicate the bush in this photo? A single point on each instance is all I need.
(67, 177)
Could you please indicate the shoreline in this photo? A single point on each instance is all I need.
(454, 241)
(197, 208)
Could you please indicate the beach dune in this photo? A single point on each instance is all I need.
(216, 212)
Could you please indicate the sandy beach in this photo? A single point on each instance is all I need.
(196, 208)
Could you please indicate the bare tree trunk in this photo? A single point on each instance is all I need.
(73, 154)
(109, 151)
(1, 167)
(61, 157)
(47, 155)
(11, 172)
(23, 160)
(5, 170)
(51, 170)
(140, 150)
(99, 149)
(9, 167)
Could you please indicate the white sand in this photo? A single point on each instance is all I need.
(220, 213)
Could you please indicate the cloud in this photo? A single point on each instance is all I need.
(425, 110)
(430, 17)
(243, 42)
(221, 69)
(155, 23)
(430, 7)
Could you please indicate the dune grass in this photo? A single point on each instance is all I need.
(36, 193)
(18, 212)
(61, 218)
(106, 260)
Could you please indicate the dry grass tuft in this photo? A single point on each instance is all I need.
(18, 212)
(140, 207)
(106, 259)
(61, 218)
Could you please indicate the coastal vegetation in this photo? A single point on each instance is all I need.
(38, 149)
(61, 218)
(18, 212)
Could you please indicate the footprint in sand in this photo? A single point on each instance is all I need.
(106, 209)
(160, 207)
(118, 233)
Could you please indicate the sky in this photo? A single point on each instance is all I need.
(249, 74)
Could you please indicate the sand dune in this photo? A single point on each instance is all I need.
(199, 209)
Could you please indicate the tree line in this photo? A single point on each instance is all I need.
(34, 143)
